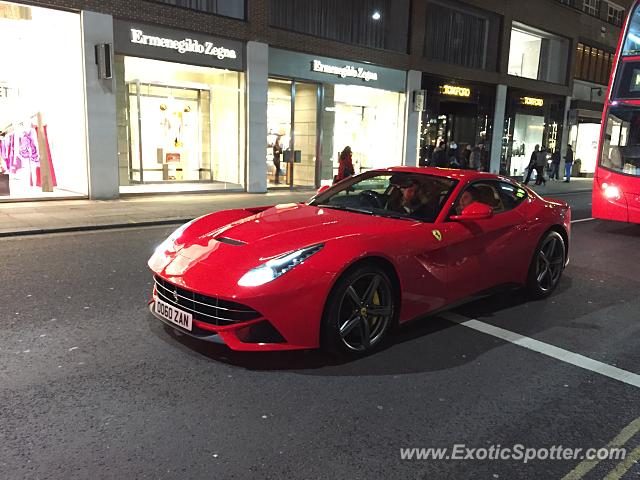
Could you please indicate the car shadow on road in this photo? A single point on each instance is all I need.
(430, 343)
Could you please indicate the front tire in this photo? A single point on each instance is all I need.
(360, 311)
(547, 265)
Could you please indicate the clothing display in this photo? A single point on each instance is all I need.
(20, 156)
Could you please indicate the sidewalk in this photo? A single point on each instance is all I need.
(558, 187)
(75, 215)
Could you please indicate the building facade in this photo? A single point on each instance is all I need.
(137, 97)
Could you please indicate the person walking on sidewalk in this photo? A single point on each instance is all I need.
(541, 161)
(568, 164)
(532, 164)
(345, 165)
(439, 158)
(475, 159)
(555, 165)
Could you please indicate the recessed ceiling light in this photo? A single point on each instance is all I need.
(376, 15)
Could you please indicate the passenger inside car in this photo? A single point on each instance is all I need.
(469, 196)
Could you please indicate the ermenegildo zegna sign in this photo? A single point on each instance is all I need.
(331, 70)
(150, 41)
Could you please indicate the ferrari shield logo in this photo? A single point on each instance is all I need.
(437, 235)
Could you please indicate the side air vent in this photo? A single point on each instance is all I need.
(231, 241)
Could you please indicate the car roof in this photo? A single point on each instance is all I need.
(453, 173)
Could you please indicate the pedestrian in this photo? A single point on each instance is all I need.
(555, 165)
(484, 158)
(439, 158)
(541, 161)
(568, 163)
(277, 152)
(345, 165)
(453, 156)
(532, 164)
(466, 157)
(475, 159)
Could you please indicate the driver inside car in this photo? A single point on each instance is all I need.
(415, 200)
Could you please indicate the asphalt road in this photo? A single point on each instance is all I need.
(92, 387)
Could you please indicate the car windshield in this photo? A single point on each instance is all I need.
(402, 195)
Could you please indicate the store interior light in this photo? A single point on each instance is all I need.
(376, 15)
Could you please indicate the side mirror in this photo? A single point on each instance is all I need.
(475, 211)
(323, 188)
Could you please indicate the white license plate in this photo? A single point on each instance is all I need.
(174, 315)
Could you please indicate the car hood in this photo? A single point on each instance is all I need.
(282, 229)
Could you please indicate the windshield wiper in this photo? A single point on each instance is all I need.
(369, 212)
(347, 209)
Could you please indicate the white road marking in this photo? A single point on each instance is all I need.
(582, 220)
(558, 353)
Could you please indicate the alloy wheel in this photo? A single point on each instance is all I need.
(549, 262)
(366, 310)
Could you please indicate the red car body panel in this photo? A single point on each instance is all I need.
(436, 264)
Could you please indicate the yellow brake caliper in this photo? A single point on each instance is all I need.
(376, 301)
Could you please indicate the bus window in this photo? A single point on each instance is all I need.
(628, 84)
(621, 141)
(632, 42)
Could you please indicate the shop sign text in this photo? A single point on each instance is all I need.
(455, 91)
(182, 46)
(7, 92)
(532, 101)
(345, 71)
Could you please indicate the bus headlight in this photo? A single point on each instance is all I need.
(611, 192)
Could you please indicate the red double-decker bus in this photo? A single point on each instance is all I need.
(616, 187)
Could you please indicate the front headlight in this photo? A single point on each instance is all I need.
(275, 267)
(611, 192)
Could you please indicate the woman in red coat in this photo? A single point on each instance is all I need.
(345, 165)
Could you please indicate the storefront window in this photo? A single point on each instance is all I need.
(42, 116)
(584, 138)
(180, 125)
(537, 54)
(369, 120)
(530, 121)
(292, 111)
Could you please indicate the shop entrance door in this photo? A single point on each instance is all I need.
(527, 133)
(292, 133)
(458, 123)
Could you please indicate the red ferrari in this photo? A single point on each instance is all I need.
(370, 252)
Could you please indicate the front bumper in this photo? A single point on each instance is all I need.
(243, 336)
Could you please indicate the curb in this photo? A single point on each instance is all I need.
(89, 228)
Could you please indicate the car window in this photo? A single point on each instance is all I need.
(512, 195)
(486, 192)
(390, 194)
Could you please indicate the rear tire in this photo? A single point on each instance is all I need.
(547, 265)
(360, 311)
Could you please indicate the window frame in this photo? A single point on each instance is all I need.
(591, 7)
(207, 12)
(495, 183)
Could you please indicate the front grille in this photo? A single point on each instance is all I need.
(205, 309)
